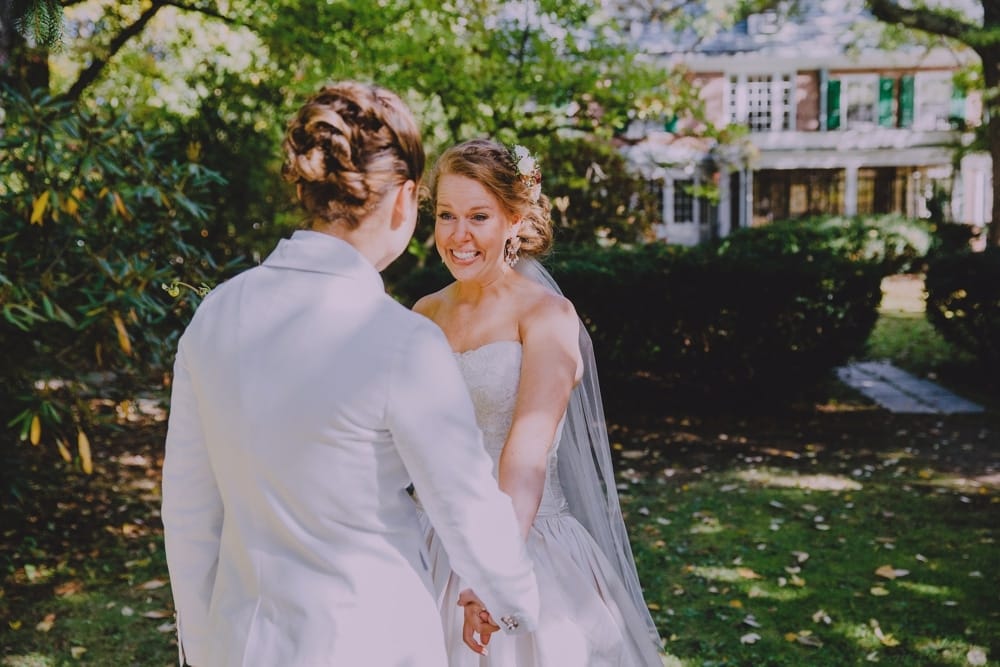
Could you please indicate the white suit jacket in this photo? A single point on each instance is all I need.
(304, 402)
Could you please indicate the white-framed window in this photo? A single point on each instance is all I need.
(859, 101)
(763, 102)
(932, 100)
(683, 201)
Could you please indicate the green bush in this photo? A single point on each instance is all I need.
(95, 222)
(963, 301)
(751, 317)
(896, 243)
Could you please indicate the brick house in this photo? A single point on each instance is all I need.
(835, 126)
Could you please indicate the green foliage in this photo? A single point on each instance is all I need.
(596, 195)
(96, 219)
(895, 243)
(750, 317)
(39, 21)
(963, 301)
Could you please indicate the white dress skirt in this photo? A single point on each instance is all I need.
(587, 618)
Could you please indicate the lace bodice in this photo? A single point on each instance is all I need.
(493, 373)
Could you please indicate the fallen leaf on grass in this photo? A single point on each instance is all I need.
(747, 573)
(46, 623)
(166, 627)
(77, 651)
(128, 611)
(156, 613)
(153, 584)
(878, 591)
(804, 637)
(750, 620)
(800, 556)
(736, 604)
(821, 615)
(976, 656)
(750, 638)
(68, 588)
(889, 572)
(886, 639)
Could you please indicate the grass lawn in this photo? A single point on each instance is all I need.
(825, 533)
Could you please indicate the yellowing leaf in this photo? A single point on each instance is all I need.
(123, 338)
(153, 584)
(878, 591)
(46, 624)
(736, 604)
(64, 450)
(38, 208)
(83, 445)
(120, 206)
(77, 651)
(35, 435)
(14, 625)
(889, 572)
(747, 573)
(104, 191)
(71, 204)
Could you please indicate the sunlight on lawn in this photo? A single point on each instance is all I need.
(29, 660)
(786, 480)
(945, 592)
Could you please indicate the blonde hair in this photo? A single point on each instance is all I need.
(346, 146)
(491, 165)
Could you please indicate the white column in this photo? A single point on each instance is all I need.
(746, 215)
(851, 189)
(724, 219)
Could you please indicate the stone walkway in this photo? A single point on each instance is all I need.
(898, 391)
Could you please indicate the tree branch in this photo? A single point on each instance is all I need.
(93, 71)
(928, 20)
(214, 13)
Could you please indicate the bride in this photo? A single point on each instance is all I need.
(529, 366)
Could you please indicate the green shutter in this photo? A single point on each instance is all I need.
(906, 101)
(886, 92)
(833, 104)
(956, 116)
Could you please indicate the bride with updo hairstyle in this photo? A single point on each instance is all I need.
(528, 362)
(346, 147)
(305, 402)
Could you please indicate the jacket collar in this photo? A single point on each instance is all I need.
(313, 251)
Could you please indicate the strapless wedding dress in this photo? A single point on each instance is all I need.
(586, 617)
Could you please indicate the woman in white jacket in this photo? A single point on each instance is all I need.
(304, 402)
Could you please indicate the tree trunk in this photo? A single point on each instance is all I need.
(991, 77)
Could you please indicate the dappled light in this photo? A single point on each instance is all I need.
(821, 482)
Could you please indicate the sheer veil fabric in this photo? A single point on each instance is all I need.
(585, 468)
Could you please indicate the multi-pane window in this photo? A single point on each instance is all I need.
(763, 102)
(859, 101)
(933, 101)
(683, 201)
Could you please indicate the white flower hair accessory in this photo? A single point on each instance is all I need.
(527, 169)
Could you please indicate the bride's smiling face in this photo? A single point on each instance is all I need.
(471, 229)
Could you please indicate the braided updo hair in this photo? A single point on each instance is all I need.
(492, 166)
(346, 147)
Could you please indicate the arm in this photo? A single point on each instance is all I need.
(550, 367)
(433, 424)
(192, 517)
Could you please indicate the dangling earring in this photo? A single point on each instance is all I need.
(510, 250)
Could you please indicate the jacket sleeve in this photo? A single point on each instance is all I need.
(192, 516)
(433, 424)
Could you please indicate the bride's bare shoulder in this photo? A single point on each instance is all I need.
(544, 307)
(429, 305)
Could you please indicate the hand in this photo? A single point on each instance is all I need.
(477, 621)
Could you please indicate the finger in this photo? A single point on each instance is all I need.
(470, 627)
